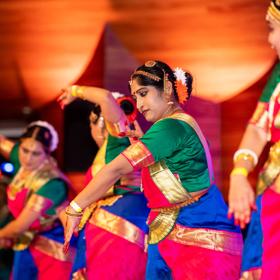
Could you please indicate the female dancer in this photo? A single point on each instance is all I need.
(35, 195)
(190, 236)
(112, 243)
(261, 253)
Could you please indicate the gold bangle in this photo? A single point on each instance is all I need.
(68, 213)
(78, 91)
(239, 171)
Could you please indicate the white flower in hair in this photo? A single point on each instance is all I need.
(51, 129)
(117, 95)
(180, 75)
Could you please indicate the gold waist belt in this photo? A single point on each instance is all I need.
(164, 222)
(218, 240)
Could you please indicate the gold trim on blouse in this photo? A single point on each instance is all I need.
(118, 226)
(39, 203)
(271, 169)
(138, 155)
(53, 249)
(217, 240)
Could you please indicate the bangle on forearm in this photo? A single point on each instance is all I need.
(68, 213)
(76, 207)
(239, 171)
(78, 91)
(246, 154)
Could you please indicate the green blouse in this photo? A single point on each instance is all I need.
(177, 143)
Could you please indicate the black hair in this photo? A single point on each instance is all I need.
(40, 134)
(159, 68)
(96, 109)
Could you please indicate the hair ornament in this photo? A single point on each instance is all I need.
(51, 129)
(150, 63)
(273, 11)
(181, 84)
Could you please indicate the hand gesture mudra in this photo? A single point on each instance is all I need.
(70, 227)
(65, 97)
(134, 133)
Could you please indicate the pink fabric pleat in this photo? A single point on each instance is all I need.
(191, 262)
(111, 257)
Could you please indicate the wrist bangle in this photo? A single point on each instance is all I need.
(239, 171)
(246, 154)
(76, 207)
(78, 91)
(68, 213)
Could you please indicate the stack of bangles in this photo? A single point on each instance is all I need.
(78, 210)
(246, 155)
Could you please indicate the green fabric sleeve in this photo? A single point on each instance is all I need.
(165, 137)
(271, 84)
(115, 146)
(56, 191)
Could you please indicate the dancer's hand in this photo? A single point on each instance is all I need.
(65, 97)
(70, 227)
(241, 200)
(134, 133)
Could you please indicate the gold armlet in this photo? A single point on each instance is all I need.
(78, 91)
(78, 215)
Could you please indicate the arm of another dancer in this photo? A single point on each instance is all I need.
(96, 188)
(241, 193)
(111, 111)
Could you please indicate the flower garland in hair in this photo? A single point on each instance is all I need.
(51, 129)
(181, 84)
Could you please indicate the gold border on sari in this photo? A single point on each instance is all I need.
(260, 116)
(271, 170)
(53, 249)
(168, 184)
(39, 203)
(118, 226)
(109, 201)
(138, 155)
(222, 241)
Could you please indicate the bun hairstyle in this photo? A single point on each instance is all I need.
(155, 73)
(44, 133)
